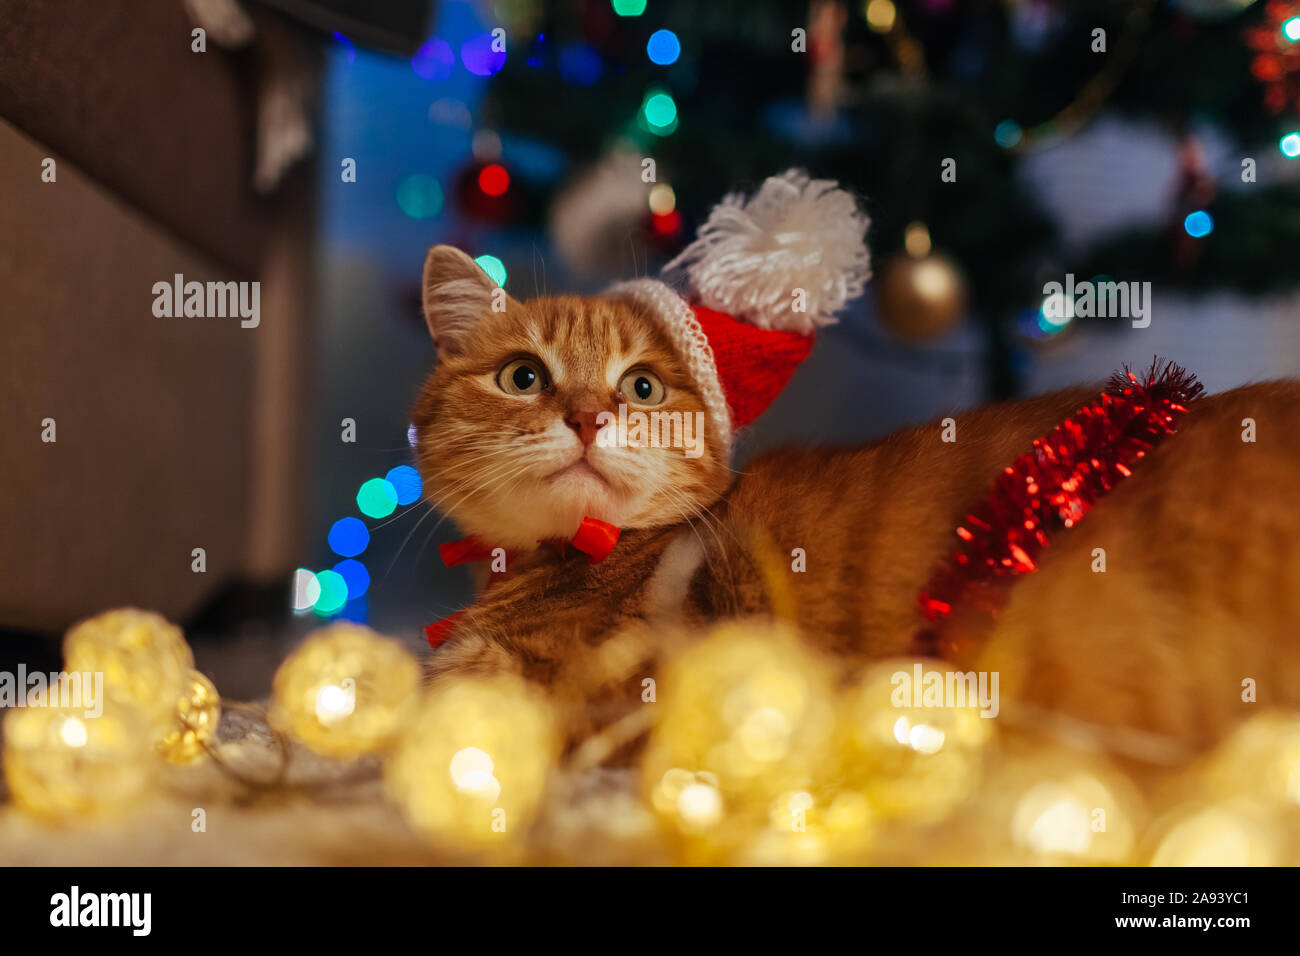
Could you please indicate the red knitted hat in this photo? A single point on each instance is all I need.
(762, 275)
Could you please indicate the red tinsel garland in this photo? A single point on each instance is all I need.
(1048, 489)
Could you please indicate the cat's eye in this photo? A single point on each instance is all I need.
(642, 387)
(524, 376)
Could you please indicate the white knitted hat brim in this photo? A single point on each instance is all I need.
(678, 322)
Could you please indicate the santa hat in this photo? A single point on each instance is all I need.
(738, 324)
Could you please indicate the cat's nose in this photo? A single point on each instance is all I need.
(583, 422)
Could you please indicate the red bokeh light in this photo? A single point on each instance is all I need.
(666, 224)
(494, 180)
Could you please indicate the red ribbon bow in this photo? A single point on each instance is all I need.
(594, 538)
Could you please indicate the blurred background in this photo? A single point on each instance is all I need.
(321, 146)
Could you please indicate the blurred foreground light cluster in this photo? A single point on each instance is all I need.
(757, 751)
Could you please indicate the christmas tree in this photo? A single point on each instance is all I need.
(929, 108)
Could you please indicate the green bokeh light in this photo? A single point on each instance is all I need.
(333, 592)
(377, 498)
(494, 267)
(628, 8)
(420, 196)
(660, 112)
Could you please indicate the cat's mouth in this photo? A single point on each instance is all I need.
(580, 469)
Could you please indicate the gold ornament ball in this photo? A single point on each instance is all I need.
(345, 692)
(197, 714)
(143, 657)
(746, 717)
(920, 298)
(907, 743)
(471, 768)
(65, 762)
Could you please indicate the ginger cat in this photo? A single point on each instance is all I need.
(1201, 588)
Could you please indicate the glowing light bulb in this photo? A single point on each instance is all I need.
(699, 805)
(922, 738)
(468, 760)
(471, 772)
(335, 702)
(1051, 819)
(73, 732)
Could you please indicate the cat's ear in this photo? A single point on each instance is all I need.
(456, 294)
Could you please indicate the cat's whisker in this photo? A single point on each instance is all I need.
(494, 478)
(428, 510)
(483, 475)
(447, 512)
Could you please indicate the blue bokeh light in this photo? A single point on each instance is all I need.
(348, 537)
(1198, 224)
(663, 47)
(479, 57)
(406, 481)
(1008, 133)
(434, 60)
(356, 576)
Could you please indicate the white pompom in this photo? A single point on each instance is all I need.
(751, 255)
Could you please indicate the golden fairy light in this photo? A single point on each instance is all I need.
(1261, 760)
(1063, 807)
(907, 743)
(750, 707)
(195, 720)
(1225, 834)
(144, 659)
(346, 691)
(65, 762)
(471, 767)
(880, 15)
(916, 240)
